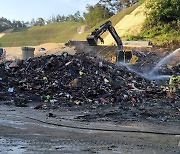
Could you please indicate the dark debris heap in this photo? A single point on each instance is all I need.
(70, 80)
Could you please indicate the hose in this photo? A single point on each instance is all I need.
(106, 130)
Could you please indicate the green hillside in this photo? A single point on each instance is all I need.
(61, 32)
(52, 33)
(115, 19)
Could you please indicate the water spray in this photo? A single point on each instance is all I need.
(165, 60)
(153, 73)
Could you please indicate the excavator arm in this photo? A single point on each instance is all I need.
(121, 55)
(96, 34)
(92, 39)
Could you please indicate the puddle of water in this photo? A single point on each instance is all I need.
(15, 124)
(12, 146)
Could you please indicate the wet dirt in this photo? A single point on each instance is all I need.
(24, 130)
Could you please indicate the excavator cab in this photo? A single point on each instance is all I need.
(121, 55)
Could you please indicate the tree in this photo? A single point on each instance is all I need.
(71, 18)
(117, 5)
(58, 18)
(96, 14)
(112, 5)
(5, 24)
(33, 22)
(163, 11)
(77, 16)
(40, 22)
(163, 19)
(17, 24)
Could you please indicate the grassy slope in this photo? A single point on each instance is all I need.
(51, 33)
(55, 32)
(114, 19)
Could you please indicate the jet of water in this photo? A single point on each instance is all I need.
(165, 60)
(153, 75)
(146, 75)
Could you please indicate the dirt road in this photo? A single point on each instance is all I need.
(5, 32)
(51, 48)
(25, 130)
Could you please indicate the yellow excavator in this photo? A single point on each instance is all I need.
(121, 55)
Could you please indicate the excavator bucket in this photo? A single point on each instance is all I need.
(92, 40)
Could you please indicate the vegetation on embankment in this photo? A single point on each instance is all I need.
(162, 24)
(52, 33)
(114, 19)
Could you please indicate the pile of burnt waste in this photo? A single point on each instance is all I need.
(146, 60)
(80, 80)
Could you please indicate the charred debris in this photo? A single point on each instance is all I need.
(87, 82)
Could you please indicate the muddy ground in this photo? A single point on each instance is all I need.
(24, 130)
